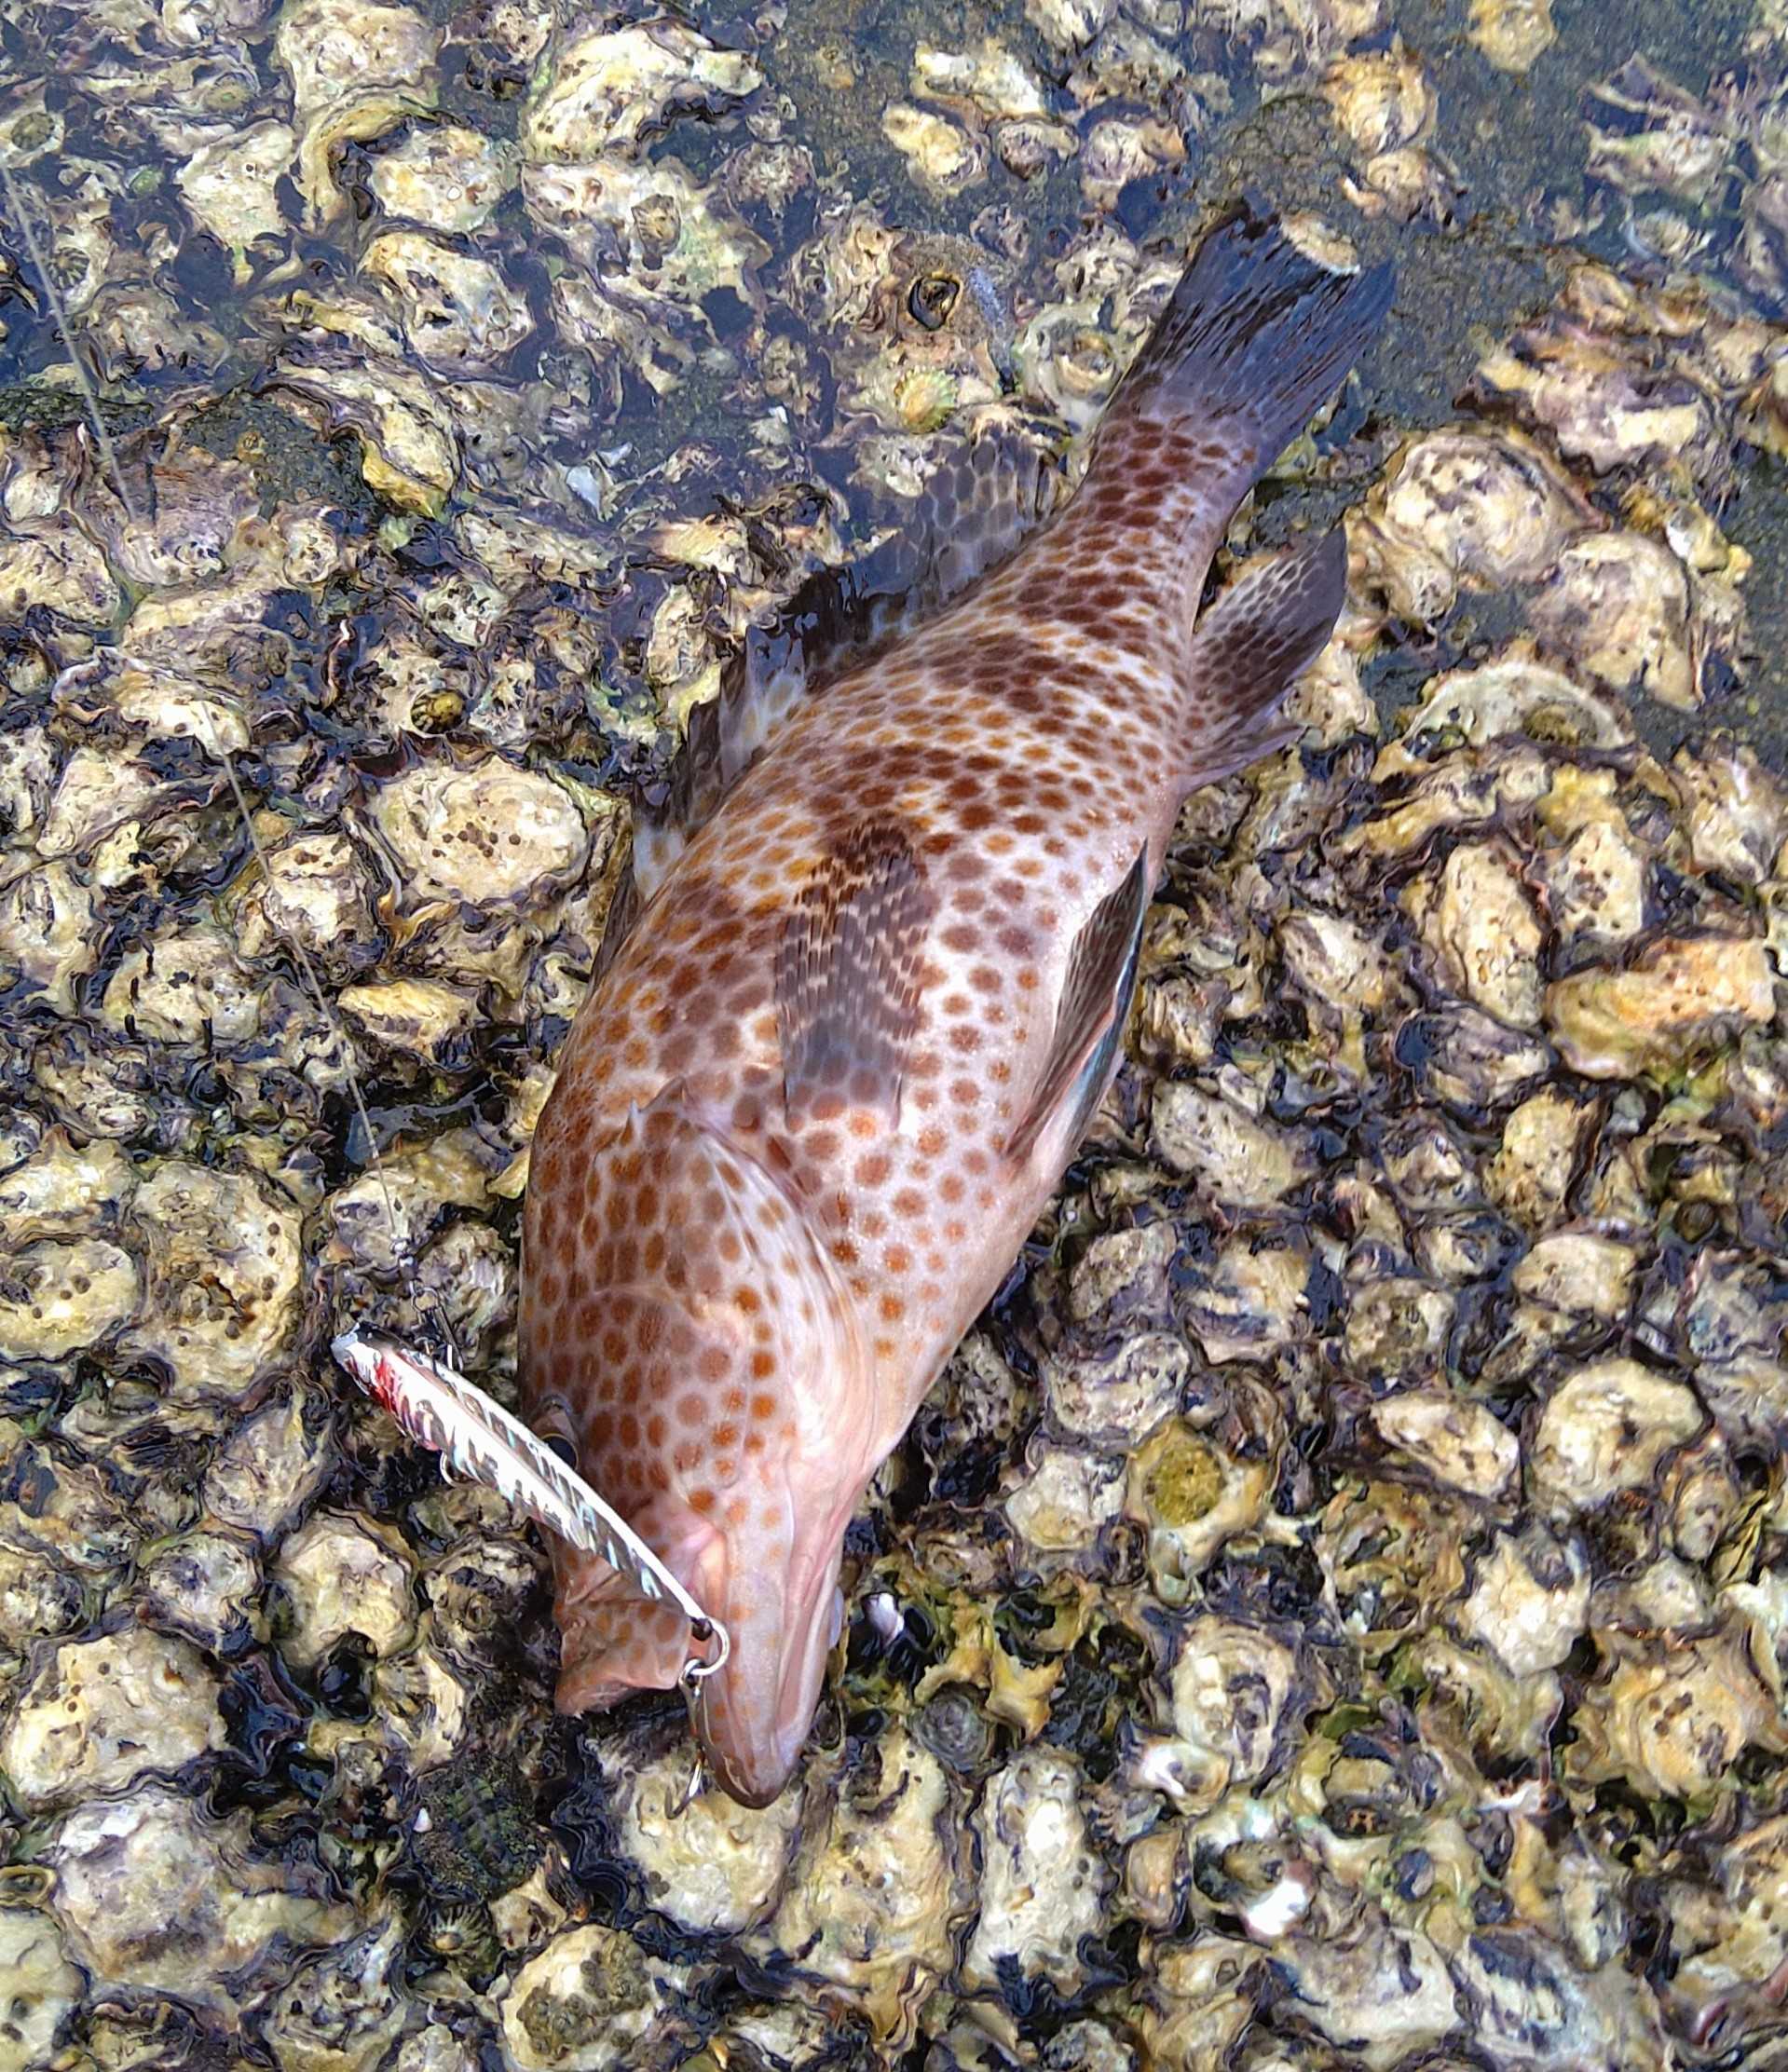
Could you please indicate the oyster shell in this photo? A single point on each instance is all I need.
(458, 313)
(101, 1712)
(592, 1999)
(1529, 1600)
(335, 1577)
(1459, 1443)
(874, 1892)
(943, 158)
(356, 67)
(607, 89)
(1606, 1428)
(1617, 605)
(1464, 508)
(1481, 922)
(447, 177)
(125, 1867)
(1681, 996)
(1332, 1611)
(709, 1864)
(1041, 1882)
(1512, 34)
(232, 188)
(43, 1987)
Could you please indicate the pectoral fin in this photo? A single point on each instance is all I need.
(846, 975)
(1089, 1021)
(612, 1639)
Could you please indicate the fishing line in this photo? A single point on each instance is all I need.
(59, 310)
(221, 754)
(441, 1330)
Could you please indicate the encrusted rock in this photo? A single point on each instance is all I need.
(337, 1577)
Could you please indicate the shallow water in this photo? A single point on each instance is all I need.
(1334, 1611)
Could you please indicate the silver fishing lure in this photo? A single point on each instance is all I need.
(478, 1438)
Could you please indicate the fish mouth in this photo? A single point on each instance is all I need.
(754, 1716)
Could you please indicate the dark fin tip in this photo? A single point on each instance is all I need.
(1256, 332)
(1091, 1014)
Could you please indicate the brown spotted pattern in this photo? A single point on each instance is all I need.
(744, 1269)
(734, 1300)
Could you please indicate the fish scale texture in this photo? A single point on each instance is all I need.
(744, 1270)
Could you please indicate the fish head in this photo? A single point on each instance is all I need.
(767, 1570)
(749, 1515)
(715, 1393)
(773, 1584)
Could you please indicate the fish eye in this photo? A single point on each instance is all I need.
(932, 297)
(563, 1447)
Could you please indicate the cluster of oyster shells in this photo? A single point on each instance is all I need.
(1334, 1612)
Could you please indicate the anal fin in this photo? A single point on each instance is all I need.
(1252, 646)
(1090, 1016)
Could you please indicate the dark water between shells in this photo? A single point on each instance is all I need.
(1514, 147)
(1471, 271)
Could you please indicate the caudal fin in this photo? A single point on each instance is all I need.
(1256, 336)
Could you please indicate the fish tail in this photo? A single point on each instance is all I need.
(1256, 336)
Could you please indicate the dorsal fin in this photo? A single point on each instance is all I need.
(1089, 1019)
(974, 512)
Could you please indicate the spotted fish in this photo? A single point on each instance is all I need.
(868, 986)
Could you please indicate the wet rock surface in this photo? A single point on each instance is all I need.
(1334, 1612)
